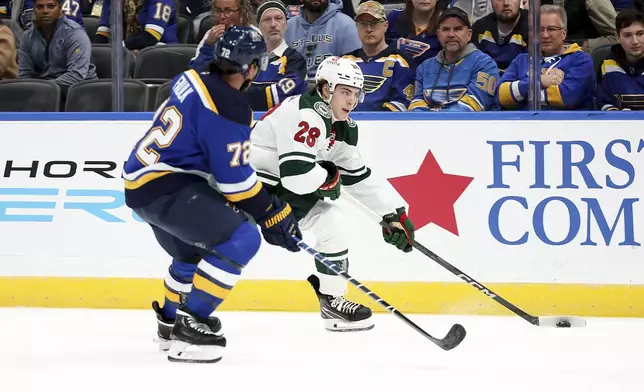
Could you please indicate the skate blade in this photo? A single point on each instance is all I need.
(338, 325)
(185, 352)
(164, 344)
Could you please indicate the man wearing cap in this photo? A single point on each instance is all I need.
(460, 78)
(388, 80)
(286, 73)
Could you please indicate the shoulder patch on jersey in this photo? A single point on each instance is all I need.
(323, 109)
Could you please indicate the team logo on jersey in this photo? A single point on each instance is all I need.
(373, 83)
(323, 109)
(412, 47)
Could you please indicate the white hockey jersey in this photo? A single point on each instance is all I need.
(291, 137)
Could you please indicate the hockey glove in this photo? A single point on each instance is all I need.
(401, 233)
(280, 225)
(331, 187)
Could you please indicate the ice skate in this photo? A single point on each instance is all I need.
(340, 314)
(196, 340)
(164, 328)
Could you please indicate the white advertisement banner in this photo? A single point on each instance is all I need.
(504, 201)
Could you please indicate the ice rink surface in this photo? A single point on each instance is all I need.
(113, 350)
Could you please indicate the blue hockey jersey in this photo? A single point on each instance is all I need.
(468, 85)
(418, 44)
(201, 133)
(575, 70)
(284, 77)
(388, 80)
(157, 18)
(71, 9)
(485, 35)
(622, 84)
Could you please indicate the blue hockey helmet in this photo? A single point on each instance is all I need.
(238, 47)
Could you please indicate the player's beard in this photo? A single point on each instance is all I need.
(246, 84)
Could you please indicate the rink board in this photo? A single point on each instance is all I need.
(544, 208)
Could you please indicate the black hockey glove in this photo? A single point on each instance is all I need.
(331, 187)
(280, 225)
(401, 233)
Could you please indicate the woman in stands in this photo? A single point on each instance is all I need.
(413, 29)
(147, 23)
(226, 13)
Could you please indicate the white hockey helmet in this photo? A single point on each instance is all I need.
(339, 70)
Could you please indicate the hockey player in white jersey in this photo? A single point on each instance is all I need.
(305, 151)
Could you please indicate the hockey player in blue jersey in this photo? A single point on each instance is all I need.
(147, 22)
(189, 177)
(285, 75)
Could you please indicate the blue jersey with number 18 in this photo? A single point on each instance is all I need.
(200, 133)
(156, 17)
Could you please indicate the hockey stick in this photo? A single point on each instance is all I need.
(453, 338)
(547, 321)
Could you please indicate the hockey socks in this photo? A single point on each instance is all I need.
(177, 281)
(330, 283)
(217, 275)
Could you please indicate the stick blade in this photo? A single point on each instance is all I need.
(453, 338)
(562, 322)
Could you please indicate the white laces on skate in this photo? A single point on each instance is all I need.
(200, 327)
(344, 305)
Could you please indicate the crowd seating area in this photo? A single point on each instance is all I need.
(147, 73)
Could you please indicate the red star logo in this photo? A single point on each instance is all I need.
(431, 194)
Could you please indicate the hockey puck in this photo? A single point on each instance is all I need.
(563, 324)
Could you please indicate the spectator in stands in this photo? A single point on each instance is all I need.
(55, 48)
(286, 72)
(475, 9)
(293, 8)
(622, 85)
(389, 82)
(71, 9)
(21, 17)
(567, 74)
(413, 29)
(321, 30)
(502, 34)
(460, 78)
(8, 65)
(591, 22)
(152, 22)
(225, 13)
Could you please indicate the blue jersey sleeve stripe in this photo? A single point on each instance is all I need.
(154, 30)
(236, 197)
(242, 186)
(144, 179)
